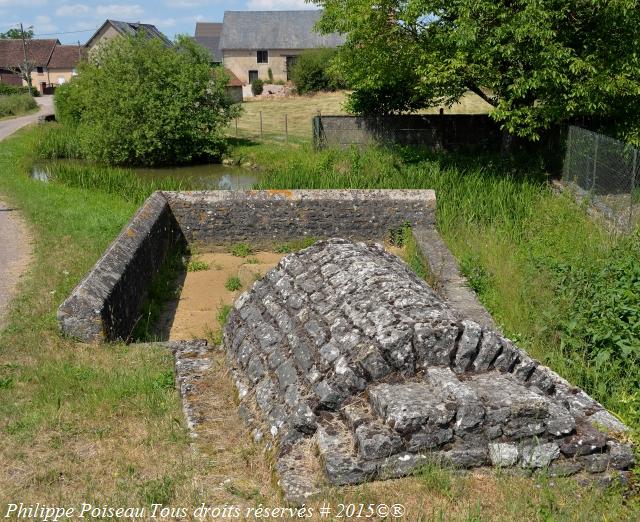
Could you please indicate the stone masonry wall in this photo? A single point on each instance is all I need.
(217, 218)
(106, 304)
(344, 345)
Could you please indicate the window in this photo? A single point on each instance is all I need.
(39, 70)
(253, 75)
(263, 56)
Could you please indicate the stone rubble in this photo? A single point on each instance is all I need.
(342, 344)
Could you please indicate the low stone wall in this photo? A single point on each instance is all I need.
(106, 304)
(344, 345)
(438, 131)
(216, 218)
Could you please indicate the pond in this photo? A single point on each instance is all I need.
(213, 176)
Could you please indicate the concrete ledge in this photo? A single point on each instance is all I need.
(217, 218)
(452, 286)
(106, 303)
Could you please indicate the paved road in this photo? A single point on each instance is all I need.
(15, 241)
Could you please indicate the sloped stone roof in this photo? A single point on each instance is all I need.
(274, 30)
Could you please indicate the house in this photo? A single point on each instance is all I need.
(208, 35)
(63, 63)
(252, 43)
(112, 28)
(53, 63)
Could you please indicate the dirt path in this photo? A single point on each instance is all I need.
(15, 240)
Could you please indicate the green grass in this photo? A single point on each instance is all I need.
(241, 250)
(295, 245)
(197, 266)
(233, 283)
(16, 105)
(103, 424)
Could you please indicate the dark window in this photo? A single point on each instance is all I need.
(263, 56)
(253, 75)
(39, 70)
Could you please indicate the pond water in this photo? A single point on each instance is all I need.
(212, 176)
(209, 177)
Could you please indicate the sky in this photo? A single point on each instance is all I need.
(76, 20)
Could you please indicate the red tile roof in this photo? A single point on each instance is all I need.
(38, 51)
(65, 57)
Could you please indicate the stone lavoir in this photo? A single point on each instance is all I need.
(343, 350)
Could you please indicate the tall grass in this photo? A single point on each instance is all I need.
(16, 104)
(123, 183)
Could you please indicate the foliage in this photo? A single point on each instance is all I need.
(197, 266)
(537, 63)
(295, 245)
(233, 283)
(140, 102)
(257, 86)
(16, 104)
(270, 75)
(6, 89)
(16, 34)
(241, 250)
(312, 72)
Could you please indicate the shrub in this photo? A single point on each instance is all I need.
(257, 86)
(139, 102)
(312, 72)
(6, 89)
(16, 104)
(270, 75)
(233, 284)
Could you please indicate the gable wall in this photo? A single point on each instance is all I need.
(241, 61)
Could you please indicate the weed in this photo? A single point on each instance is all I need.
(197, 266)
(252, 261)
(223, 314)
(233, 284)
(295, 245)
(241, 250)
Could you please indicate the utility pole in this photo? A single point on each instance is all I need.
(27, 68)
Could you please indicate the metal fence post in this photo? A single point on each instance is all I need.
(286, 128)
(261, 134)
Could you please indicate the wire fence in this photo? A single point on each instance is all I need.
(605, 172)
(271, 126)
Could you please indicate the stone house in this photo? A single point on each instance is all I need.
(53, 63)
(112, 28)
(253, 42)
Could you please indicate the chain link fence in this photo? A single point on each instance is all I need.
(605, 171)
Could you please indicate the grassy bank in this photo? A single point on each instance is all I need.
(16, 105)
(103, 424)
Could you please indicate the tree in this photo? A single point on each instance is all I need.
(16, 34)
(312, 71)
(537, 63)
(138, 102)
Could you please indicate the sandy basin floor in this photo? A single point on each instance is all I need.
(204, 293)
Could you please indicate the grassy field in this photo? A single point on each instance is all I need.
(301, 109)
(103, 424)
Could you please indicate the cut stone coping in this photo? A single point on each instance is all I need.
(342, 345)
(106, 304)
